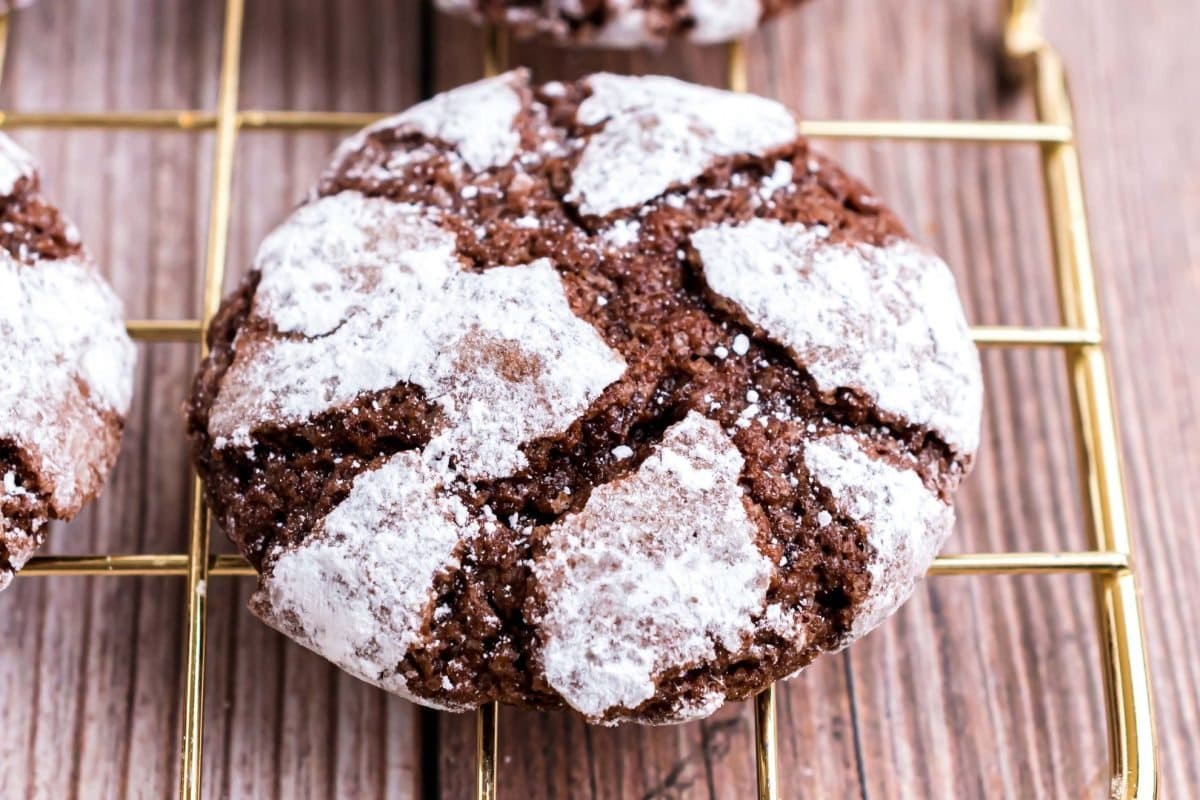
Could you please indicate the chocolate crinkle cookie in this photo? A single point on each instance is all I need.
(611, 394)
(66, 384)
(622, 23)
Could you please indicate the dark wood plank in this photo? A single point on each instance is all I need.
(979, 687)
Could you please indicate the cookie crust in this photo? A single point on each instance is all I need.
(515, 410)
(63, 400)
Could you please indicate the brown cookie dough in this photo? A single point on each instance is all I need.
(623, 23)
(612, 395)
(65, 391)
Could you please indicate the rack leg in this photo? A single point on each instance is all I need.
(1123, 647)
(3, 41)
(765, 745)
(738, 78)
(495, 56)
(1126, 673)
(192, 739)
(487, 734)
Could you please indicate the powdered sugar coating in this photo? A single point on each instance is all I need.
(723, 20)
(883, 320)
(325, 263)
(358, 589)
(476, 119)
(626, 27)
(499, 351)
(66, 324)
(657, 571)
(15, 164)
(701, 707)
(17, 542)
(660, 132)
(906, 523)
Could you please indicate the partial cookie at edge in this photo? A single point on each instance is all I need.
(63, 402)
(624, 23)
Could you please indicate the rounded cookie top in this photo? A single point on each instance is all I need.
(609, 394)
(63, 398)
(623, 23)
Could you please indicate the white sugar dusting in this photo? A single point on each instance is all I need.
(75, 364)
(906, 523)
(623, 233)
(701, 707)
(656, 571)
(324, 264)
(15, 164)
(11, 488)
(476, 119)
(18, 543)
(624, 26)
(722, 20)
(781, 177)
(500, 351)
(659, 132)
(883, 320)
(358, 590)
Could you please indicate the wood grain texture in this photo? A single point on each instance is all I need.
(980, 687)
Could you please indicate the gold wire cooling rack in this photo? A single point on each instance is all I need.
(1110, 560)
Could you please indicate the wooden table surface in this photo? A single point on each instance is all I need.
(980, 687)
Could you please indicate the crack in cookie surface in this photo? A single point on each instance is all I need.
(669, 347)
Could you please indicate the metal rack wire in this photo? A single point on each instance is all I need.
(1110, 560)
